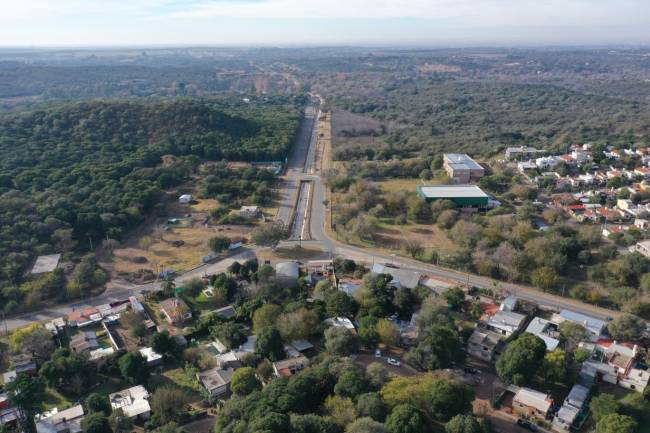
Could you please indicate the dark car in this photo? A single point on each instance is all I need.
(526, 424)
(471, 370)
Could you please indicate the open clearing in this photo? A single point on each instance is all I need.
(161, 244)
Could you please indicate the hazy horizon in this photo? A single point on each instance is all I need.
(294, 23)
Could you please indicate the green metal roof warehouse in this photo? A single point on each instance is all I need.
(462, 195)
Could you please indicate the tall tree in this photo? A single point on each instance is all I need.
(26, 393)
(521, 360)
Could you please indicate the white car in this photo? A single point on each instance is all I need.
(377, 353)
(393, 361)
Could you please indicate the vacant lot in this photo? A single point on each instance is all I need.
(346, 124)
(178, 241)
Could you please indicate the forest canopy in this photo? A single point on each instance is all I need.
(72, 172)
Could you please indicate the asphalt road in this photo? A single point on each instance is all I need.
(300, 159)
(299, 223)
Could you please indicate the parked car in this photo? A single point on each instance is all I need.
(527, 425)
(471, 370)
(377, 353)
(393, 361)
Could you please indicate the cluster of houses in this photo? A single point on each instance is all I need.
(613, 362)
(586, 190)
(91, 332)
(134, 402)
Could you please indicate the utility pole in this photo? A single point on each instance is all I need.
(4, 319)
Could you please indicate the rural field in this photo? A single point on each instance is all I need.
(177, 241)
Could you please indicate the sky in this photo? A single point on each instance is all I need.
(323, 22)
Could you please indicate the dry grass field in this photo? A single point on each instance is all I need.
(346, 124)
(180, 246)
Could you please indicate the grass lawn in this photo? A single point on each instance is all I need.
(634, 405)
(108, 385)
(178, 378)
(400, 184)
(202, 302)
(54, 399)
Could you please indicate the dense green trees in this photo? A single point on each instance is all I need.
(133, 367)
(66, 371)
(229, 333)
(439, 347)
(614, 423)
(521, 360)
(340, 341)
(269, 344)
(95, 422)
(406, 419)
(27, 394)
(243, 381)
(78, 172)
(627, 327)
(97, 403)
(603, 405)
(466, 424)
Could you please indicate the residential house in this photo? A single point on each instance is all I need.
(55, 421)
(134, 402)
(21, 365)
(101, 353)
(288, 367)
(508, 304)
(522, 152)
(341, 322)
(185, 199)
(55, 326)
(546, 162)
(610, 230)
(506, 322)
(176, 311)
(402, 278)
(594, 326)
(85, 317)
(574, 405)
(318, 270)
(84, 341)
(642, 248)
(9, 416)
(483, 344)
(531, 403)
(227, 312)
(624, 204)
(153, 358)
(233, 357)
(249, 212)
(546, 330)
(302, 345)
(437, 284)
(623, 357)
(642, 171)
(350, 285)
(526, 167)
(461, 168)
(216, 381)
